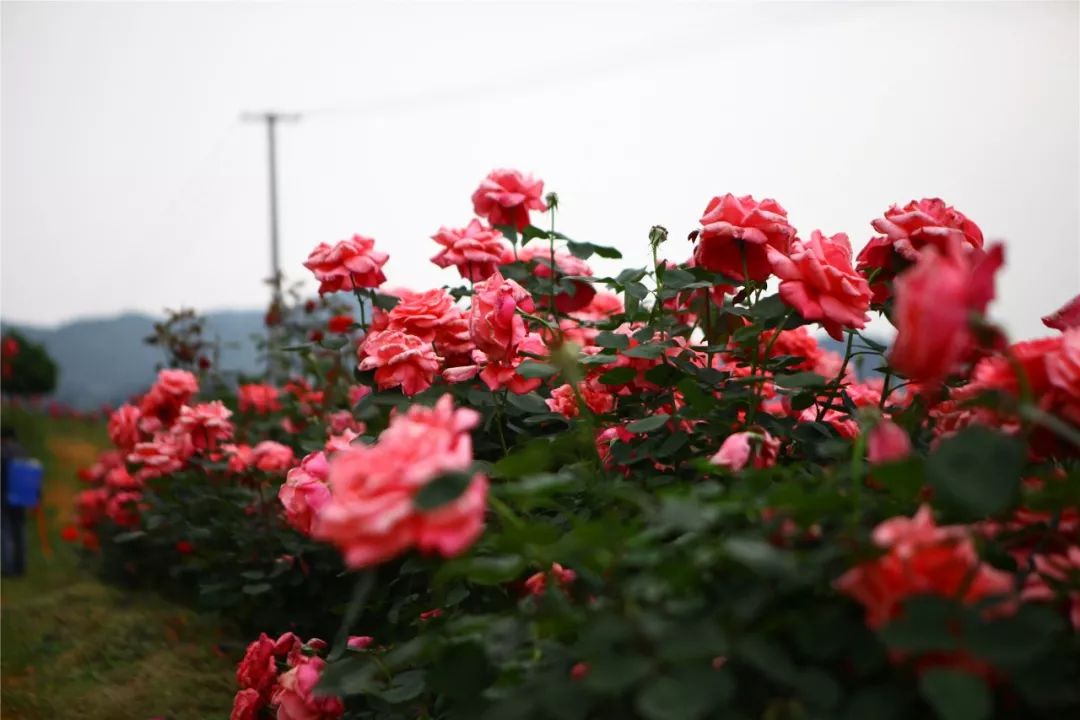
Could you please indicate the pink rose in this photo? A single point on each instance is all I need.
(399, 358)
(124, 427)
(1063, 374)
(433, 317)
(246, 705)
(173, 389)
(304, 491)
(166, 453)
(505, 197)
(207, 424)
(258, 398)
(475, 250)
(1068, 316)
(742, 448)
(118, 478)
(240, 457)
(907, 231)
(295, 694)
(358, 393)
(347, 265)
(888, 442)
(272, 457)
(818, 281)
(360, 642)
(371, 516)
(504, 374)
(596, 396)
(258, 670)
(494, 324)
(737, 230)
(934, 300)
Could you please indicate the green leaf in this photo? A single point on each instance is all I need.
(256, 588)
(760, 557)
(617, 341)
(528, 403)
(636, 290)
(613, 673)
(618, 376)
(955, 695)
(976, 473)
(676, 278)
(769, 308)
(126, 537)
(585, 250)
(442, 490)
(404, 687)
(494, 570)
(800, 380)
(648, 424)
(925, 626)
(684, 696)
(531, 369)
(645, 352)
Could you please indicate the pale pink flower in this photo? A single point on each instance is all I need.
(399, 358)
(494, 324)
(759, 450)
(475, 250)
(505, 197)
(347, 265)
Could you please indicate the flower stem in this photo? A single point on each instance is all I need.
(835, 388)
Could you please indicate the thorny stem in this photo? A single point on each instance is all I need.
(759, 387)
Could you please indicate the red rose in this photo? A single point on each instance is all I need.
(735, 233)
(505, 197)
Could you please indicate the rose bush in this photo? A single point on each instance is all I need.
(558, 493)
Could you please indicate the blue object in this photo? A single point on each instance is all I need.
(24, 482)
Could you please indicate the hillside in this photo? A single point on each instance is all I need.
(104, 360)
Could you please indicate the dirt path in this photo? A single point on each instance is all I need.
(74, 647)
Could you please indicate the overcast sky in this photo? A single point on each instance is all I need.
(129, 182)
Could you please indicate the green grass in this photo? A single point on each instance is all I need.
(73, 647)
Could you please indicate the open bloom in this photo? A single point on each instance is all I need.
(258, 398)
(921, 559)
(295, 693)
(494, 324)
(399, 358)
(124, 427)
(371, 515)
(272, 457)
(305, 492)
(906, 232)
(505, 197)
(1056, 576)
(347, 265)
(888, 442)
(258, 670)
(735, 232)
(206, 423)
(474, 250)
(740, 449)
(934, 300)
(433, 317)
(162, 403)
(817, 279)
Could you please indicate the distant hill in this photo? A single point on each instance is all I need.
(104, 360)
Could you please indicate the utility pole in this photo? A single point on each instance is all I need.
(272, 119)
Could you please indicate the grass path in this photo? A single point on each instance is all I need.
(73, 647)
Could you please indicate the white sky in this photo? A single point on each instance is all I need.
(129, 182)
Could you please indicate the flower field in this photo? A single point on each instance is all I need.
(542, 492)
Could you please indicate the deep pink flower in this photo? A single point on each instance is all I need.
(347, 265)
(603, 306)
(494, 324)
(258, 670)
(759, 450)
(1067, 316)
(818, 281)
(258, 398)
(173, 389)
(371, 516)
(207, 424)
(295, 693)
(1056, 577)
(340, 324)
(736, 231)
(505, 197)
(475, 250)
(360, 642)
(888, 442)
(305, 492)
(246, 705)
(921, 559)
(399, 358)
(272, 457)
(597, 397)
(504, 373)
(124, 427)
(433, 317)
(907, 231)
(537, 583)
(934, 300)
